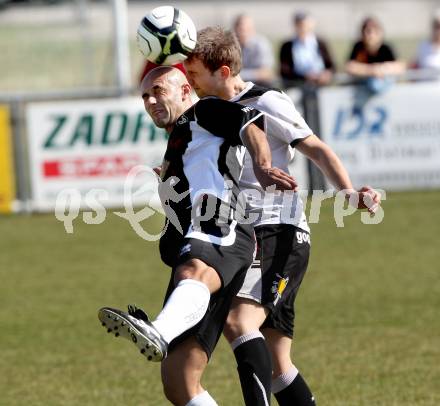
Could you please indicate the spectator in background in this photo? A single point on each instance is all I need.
(257, 52)
(373, 60)
(305, 58)
(428, 54)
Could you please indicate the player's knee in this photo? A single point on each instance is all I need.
(199, 271)
(188, 272)
(245, 316)
(233, 328)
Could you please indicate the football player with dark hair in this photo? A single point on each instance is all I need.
(205, 244)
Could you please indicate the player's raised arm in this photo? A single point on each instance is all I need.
(329, 163)
(255, 140)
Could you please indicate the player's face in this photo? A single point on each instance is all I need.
(203, 81)
(163, 101)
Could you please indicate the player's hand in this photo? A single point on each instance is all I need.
(274, 176)
(367, 198)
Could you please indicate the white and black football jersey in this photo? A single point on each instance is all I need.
(284, 127)
(202, 166)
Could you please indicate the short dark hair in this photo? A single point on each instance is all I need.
(436, 20)
(217, 47)
(370, 22)
(300, 16)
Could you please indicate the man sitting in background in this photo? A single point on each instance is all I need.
(256, 51)
(305, 58)
(428, 53)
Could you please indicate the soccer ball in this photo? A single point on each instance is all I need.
(166, 35)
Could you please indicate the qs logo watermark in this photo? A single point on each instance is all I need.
(157, 196)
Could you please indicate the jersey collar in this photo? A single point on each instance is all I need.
(249, 86)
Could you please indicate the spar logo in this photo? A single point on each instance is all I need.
(356, 122)
(91, 166)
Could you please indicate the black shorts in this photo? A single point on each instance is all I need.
(277, 272)
(231, 263)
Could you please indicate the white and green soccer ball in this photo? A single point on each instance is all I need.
(166, 35)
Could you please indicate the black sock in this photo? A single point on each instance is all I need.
(295, 394)
(255, 370)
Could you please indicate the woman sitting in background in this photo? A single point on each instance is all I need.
(372, 59)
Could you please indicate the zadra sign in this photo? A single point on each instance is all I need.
(88, 145)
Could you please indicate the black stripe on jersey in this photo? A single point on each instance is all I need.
(294, 143)
(178, 142)
(231, 169)
(225, 119)
(256, 91)
(228, 164)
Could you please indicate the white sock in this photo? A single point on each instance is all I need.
(245, 338)
(202, 399)
(284, 380)
(185, 307)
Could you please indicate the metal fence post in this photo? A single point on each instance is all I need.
(21, 159)
(122, 51)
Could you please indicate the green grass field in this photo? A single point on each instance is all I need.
(367, 329)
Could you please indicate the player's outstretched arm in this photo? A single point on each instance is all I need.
(255, 140)
(326, 160)
(329, 163)
(368, 198)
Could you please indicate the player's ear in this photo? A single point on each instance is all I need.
(186, 91)
(225, 72)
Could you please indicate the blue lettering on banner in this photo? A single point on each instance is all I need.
(353, 122)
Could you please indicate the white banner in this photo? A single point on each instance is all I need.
(390, 140)
(90, 145)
